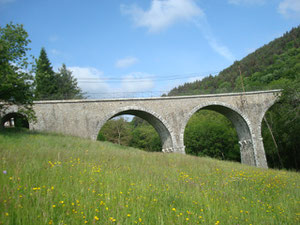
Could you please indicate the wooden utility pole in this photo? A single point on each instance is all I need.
(266, 121)
(241, 78)
(274, 141)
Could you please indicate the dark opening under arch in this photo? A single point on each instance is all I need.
(14, 120)
(242, 129)
(154, 120)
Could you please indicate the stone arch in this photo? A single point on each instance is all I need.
(160, 125)
(241, 123)
(15, 117)
(259, 135)
(267, 107)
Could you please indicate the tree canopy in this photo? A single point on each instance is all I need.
(15, 80)
(67, 85)
(54, 86)
(45, 78)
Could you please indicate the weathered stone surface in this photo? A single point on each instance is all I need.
(168, 115)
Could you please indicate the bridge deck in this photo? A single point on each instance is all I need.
(158, 98)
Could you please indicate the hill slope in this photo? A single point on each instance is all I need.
(277, 60)
(52, 179)
(275, 65)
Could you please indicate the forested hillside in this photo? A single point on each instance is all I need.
(275, 65)
(267, 67)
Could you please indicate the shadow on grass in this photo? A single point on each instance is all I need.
(16, 132)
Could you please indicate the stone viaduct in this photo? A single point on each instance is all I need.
(168, 115)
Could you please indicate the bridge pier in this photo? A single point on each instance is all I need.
(258, 147)
(180, 150)
(247, 152)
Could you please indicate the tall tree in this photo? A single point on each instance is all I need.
(45, 78)
(15, 81)
(117, 131)
(67, 85)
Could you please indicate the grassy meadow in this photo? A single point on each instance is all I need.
(54, 179)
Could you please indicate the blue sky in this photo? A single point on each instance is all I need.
(148, 45)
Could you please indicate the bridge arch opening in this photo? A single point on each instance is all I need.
(146, 130)
(225, 132)
(280, 128)
(14, 120)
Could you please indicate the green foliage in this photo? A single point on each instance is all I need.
(15, 81)
(54, 179)
(211, 134)
(45, 78)
(67, 85)
(138, 133)
(284, 119)
(21, 122)
(117, 131)
(145, 137)
(51, 85)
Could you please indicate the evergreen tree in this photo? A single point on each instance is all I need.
(45, 78)
(67, 85)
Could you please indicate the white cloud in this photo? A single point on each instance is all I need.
(126, 62)
(289, 8)
(163, 13)
(219, 48)
(212, 40)
(137, 82)
(90, 79)
(96, 85)
(55, 52)
(53, 38)
(247, 2)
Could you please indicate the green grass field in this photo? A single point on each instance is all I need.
(54, 179)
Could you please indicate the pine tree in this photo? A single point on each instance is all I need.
(67, 85)
(45, 78)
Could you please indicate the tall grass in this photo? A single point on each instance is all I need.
(53, 179)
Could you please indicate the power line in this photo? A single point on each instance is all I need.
(136, 80)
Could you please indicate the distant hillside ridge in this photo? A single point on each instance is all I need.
(267, 67)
